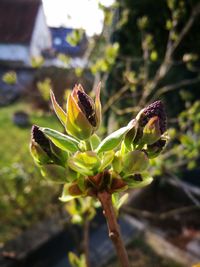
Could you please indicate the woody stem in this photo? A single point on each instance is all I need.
(113, 228)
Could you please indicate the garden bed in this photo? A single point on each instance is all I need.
(171, 221)
(48, 243)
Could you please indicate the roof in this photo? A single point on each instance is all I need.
(60, 44)
(17, 20)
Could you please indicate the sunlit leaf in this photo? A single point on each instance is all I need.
(113, 140)
(64, 142)
(95, 141)
(107, 159)
(54, 173)
(138, 180)
(58, 110)
(85, 163)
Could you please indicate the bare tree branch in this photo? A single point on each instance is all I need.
(159, 216)
(175, 86)
(185, 188)
(114, 98)
(167, 62)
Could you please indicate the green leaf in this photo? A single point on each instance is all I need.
(95, 141)
(76, 261)
(10, 77)
(62, 141)
(113, 140)
(122, 200)
(85, 163)
(117, 163)
(58, 110)
(73, 259)
(107, 159)
(145, 180)
(135, 162)
(119, 201)
(54, 173)
(130, 135)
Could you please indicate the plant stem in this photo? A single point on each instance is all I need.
(113, 227)
(86, 242)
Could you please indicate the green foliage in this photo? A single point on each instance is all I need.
(118, 200)
(113, 140)
(75, 37)
(63, 141)
(37, 62)
(20, 182)
(85, 163)
(10, 77)
(44, 88)
(82, 210)
(64, 58)
(76, 261)
(105, 62)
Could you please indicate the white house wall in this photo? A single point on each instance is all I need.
(14, 52)
(41, 37)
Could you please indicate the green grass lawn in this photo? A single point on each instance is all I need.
(25, 197)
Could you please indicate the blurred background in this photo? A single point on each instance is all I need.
(142, 51)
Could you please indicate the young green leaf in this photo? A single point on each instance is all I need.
(85, 163)
(107, 159)
(58, 110)
(95, 141)
(138, 180)
(119, 201)
(113, 140)
(64, 142)
(54, 173)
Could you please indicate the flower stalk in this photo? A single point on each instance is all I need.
(113, 227)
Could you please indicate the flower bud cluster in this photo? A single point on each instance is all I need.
(83, 162)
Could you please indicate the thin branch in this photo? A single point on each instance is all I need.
(175, 86)
(166, 65)
(125, 110)
(185, 189)
(86, 242)
(185, 30)
(114, 98)
(113, 227)
(159, 216)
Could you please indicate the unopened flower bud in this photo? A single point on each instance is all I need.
(152, 123)
(83, 114)
(43, 150)
(40, 146)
